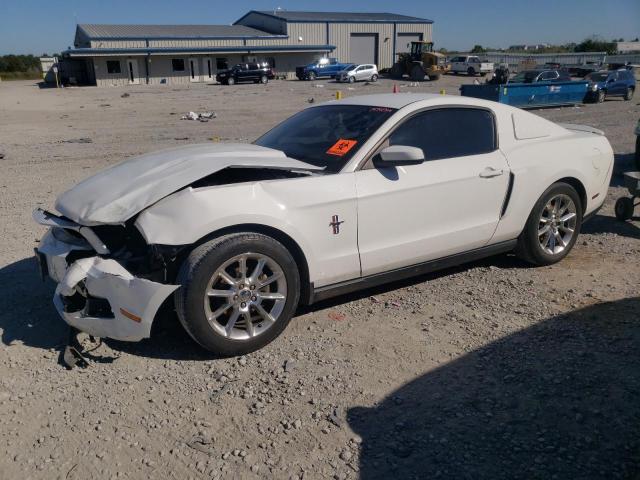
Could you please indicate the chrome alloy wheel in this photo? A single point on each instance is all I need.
(245, 296)
(557, 224)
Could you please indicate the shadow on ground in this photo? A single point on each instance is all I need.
(606, 224)
(26, 311)
(557, 400)
(27, 314)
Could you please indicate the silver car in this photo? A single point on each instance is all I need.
(354, 73)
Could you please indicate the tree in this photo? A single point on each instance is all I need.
(596, 44)
(478, 49)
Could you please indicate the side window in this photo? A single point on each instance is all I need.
(222, 63)
(177, 64)
(113, 66)
(448, 133)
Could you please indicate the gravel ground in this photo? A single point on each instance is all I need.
(490, 370)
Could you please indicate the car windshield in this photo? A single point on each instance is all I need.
(597, 76)
(326, 136)
(525, 77)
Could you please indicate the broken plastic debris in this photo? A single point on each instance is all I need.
(202, 116)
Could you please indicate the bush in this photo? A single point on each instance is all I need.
(20, 76)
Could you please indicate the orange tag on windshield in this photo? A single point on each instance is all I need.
(341, 147)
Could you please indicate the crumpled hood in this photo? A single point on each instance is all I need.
(118, 193)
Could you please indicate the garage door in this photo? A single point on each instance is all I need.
(364, 48)
(404, 39)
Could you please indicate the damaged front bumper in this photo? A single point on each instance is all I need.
(98, 295)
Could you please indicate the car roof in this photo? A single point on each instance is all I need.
(400, 100)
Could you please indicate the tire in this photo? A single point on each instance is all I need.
(601, 96)
(638, 153)
(624, 208)
(201, 273)
(629, 94)
(231, 81)
(471, 72)
(312, 76)
(530, 243)
(417, 74)
(352, 79)
(264, 80)
(397, 71)
(374, 78)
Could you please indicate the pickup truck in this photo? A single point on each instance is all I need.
(471, 65)
(325, 67)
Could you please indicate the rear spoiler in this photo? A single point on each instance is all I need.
(581, 128)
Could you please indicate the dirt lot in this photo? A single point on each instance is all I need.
(491, 370)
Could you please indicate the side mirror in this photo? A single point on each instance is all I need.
(397, 155)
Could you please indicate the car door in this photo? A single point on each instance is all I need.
(617, 85)
(360, 72)
(449, 204)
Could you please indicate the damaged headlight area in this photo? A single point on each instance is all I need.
(114, 292)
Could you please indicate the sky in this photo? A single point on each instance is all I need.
(36, 26)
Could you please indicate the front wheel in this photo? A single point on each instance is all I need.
(417, 74)
(552, 227)
(352, 79)
(471, 72)
(601, 96)
(238, 292)
(231, 81)
(311, 76)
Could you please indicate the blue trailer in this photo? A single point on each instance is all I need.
(529, 95)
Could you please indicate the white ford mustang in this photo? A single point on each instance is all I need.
(341, 196)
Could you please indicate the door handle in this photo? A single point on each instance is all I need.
(491, 172)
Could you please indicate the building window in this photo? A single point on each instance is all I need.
(222, 63)
(177, 64)
(113, 66)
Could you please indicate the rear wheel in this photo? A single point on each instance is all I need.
(238, 292)
(552, 227)
(374, 78)
(629, 94)
(264, 80)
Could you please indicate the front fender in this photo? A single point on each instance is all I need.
(301, 208)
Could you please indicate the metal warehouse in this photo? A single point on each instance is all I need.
(106, 55)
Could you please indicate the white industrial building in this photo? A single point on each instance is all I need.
(106, 55)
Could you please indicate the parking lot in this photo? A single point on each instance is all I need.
(489, 370)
